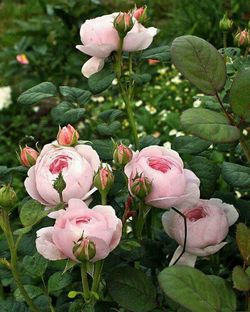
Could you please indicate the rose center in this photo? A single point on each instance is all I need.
(59, 164)
(159, 164)
(83, 220)
(195, 214)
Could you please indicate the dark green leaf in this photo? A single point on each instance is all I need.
(104, 148)
(243, 241)
(200, 63)
(240, 95)
(148, 140)
(189, 145)
(33, 292)
(142, 78)
(160, 53)
(66, 113)
(37, 93)
(75, 95)
(108, 129)
(101, 81)
(209, 125)
(58, 281)
(240, 279)
(190, 288)
(207, 171)
(236, 175)
(225, 292)
(132, 289)
(111, 115)
(35, 265)
(31, 213)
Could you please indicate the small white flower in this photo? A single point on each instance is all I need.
(138, 103)
(167, 145)
(173, 132)
(98, 99)
(115, 82)
(197, 103)
(5, 97)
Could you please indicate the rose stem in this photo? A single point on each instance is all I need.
(85, 284)
(13, 253)
(185, 233)
(97, 276)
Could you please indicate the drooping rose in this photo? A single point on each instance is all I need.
(77, 223)
(207, 226)
(77, 165)
(100, 38)
(172, 185)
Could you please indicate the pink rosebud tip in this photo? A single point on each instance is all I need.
(104, 179)
(67, 136)
(84, 250)
(153, 62)
(22, 59)
(123, 23)
(122, 155)
(242, 38)
(28, 156)
(140, 14)
(140, 186)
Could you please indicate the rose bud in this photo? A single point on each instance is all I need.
(22, 59)
(84, 250)
(28, 156)
(67, 136)
(242, 39)
(140, 186)
(122, 155)
(123, 23)
(140, 14)
(8, 197)
(104, 179)
(153, 62)
(208, 223)
(225, 23)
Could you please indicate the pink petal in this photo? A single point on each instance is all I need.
(186, 259)
(92, 66)
(230, 211)
(97, 50)
(102, 249)
(89, 154)
(210, 250)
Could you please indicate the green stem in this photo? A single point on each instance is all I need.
(85, 283)
(104, 198)
(224, 39)
(1, 291)
(13, 253)
(97, 276)
(141, 218)
(227, 114)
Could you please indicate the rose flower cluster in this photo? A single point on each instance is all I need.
(155, 175)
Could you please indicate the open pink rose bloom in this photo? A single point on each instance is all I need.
(77, 165)
(99, 225)
(207, 226)
(172, 185)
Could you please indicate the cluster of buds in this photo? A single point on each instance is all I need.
(84, 249)
(28, 156)
(104, 179)
(8, 197)
(242, 38)
(67, 136)
(122, 155)
(225, 23)
(140, 186)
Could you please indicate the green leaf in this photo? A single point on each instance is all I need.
(239, 97)
(207, 171)
(226, 294)
(31, 213)
(104, 148)
(58, 281)
(148, 140)
(132, 289)
(209, 125)
(190, 288)
(33, 292)
(75, 95)
(236, 175)
(66, 113)
(142, 78)
(240, 279)
(12, 305)
(189, 145)
(111, 115)
(101, 81)
(108, 129)
(37, 93)
(35, 265)
(200, 63)
(160, 53)
(243, 241)
(23, 231)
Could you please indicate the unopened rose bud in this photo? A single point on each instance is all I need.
(84, 250)
(22, 59)
(104, 180)
(28, 156)
(140, 186)
(8, 197)
(242, 38)
(153, 62)
(140, 14)
(123, 23)
(122, 155)
(225, 23)
(59, 184)
(67, 136)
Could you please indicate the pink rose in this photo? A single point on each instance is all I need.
(98, 225)
(172, 185)
(77, 165)
(207, 225)
(100, 38)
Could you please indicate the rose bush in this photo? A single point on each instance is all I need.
(172, 185)
(208, 224)
(99, 225)
(77, 165)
